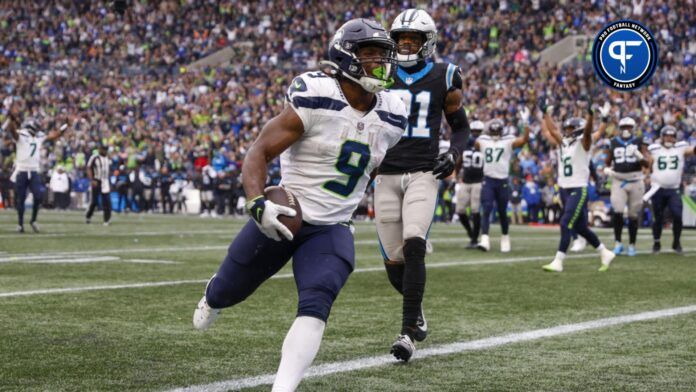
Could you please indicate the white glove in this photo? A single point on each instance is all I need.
(269, 224)
(7, 102)
(524, 114)
(632, 150)
(608, 171)
(604, 110)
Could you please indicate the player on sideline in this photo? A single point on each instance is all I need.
(667, 161)
(334, 131)
(469, 193)
(407, 182)
(497, 152)
(625, 164)
(28, 137)
(573, 175)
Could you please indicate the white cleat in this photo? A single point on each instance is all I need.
(403, 348)
(428, 247)
(204, 316)
(607, 256)
(505, 243)
(555, 266)
(579, 245)
(485, 244)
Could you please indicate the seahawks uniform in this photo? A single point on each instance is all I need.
(327, 169)
(406, 189)
(627, 186)
(667, 169)
(573, 176)
(27, 173)
(497, 154)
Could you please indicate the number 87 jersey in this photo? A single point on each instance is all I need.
(328, 168)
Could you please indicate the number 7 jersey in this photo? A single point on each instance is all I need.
(668, 164)
(28, 150)
(328, 168)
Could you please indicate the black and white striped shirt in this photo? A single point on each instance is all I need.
(99, 166)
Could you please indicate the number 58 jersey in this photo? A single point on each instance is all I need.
(328, 168)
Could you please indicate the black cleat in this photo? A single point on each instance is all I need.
(677, 248)
(472, 245)
(20, 229)
(656, 247)
(88, 220)
(422, 330)
(403, 348)
(34, 226)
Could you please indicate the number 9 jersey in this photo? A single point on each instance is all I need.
(668, 164)
(328, 168)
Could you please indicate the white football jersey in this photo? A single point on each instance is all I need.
(496, 155)
(573, 164)
(29, 150)
(668, 164)
(328, 168)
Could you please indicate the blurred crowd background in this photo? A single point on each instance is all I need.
(124, 79)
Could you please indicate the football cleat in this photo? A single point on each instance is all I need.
(656, 247)
(20, 229)
(618, 249)
(34, 226)
(485, 244)
(422, 330)
(107, 223)
(578, 245)
(403, 348)
(473, 244)
(428, 247)
(88, 220)
(631, 250)
(607, 256)
(204, 316)
(555, 266)
(505, 243)
(677, 248)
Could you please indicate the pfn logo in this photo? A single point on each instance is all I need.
(624, 55)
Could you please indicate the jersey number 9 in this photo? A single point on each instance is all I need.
(352, 162)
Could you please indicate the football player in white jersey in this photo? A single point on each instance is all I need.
(497, 153)
(28, 137)
(667, 162)
(574, 157)
(334, 131)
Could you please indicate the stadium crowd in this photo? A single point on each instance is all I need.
(127, 81)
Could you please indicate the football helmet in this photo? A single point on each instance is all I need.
(668, 131)
(32, 125)
(495, 129)
(476, 127)
(573, 127)
(416, 21)
(627, 125)
(344, 61)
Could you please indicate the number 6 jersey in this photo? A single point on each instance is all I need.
(668, 164)
(328, 168)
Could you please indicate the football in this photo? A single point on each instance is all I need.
(284, 197)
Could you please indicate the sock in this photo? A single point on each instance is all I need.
(414, 283)
(395, 273)
(476, 217)
(34, 211)
(676, 230)
(632, 230)
(465, 222)
(300, 346)
(600, 248)
(560, 255)
(618, 222)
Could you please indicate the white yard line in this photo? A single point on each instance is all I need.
(72, 260)
(445, 349)
(444, 264)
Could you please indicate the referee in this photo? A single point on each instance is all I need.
(98, 174)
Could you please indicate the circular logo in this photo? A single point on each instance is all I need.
(624, 55)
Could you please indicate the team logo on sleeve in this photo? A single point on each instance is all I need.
(625, 55)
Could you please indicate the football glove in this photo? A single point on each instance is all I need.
(544, 106)
(265, 214)
(444, 164)
(604, 111)
(524, 115)
(632, 150)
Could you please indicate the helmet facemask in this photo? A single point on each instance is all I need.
(626, 132)
(373, 66)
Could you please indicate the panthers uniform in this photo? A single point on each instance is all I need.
(667, 169)
(627, 187)
(406, 189)
(27, 173)
(496, 168)
(469, 191)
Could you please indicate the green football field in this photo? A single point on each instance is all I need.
(93, 308)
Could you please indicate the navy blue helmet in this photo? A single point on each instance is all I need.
(32, 125)
(574, 126)
(495, 128)
(343, 59)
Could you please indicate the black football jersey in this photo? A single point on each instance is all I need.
(623, 163)
(472, 163)
(424, 94)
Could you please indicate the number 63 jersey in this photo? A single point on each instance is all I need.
(668, 164)
(328, 168)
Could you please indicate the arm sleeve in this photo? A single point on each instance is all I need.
(460, 130)
(454, 78)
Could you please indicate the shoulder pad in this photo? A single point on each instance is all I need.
(654, 147)
(680, 144)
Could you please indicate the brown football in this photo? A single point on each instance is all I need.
(284, 197)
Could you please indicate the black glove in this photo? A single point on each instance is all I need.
(444, 164)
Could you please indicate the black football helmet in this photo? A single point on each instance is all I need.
(573, 126)
(495, 128)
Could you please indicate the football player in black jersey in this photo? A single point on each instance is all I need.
(407, 181)
(469, 190)
(624, 163)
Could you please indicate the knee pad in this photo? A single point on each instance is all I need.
(315, 302)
